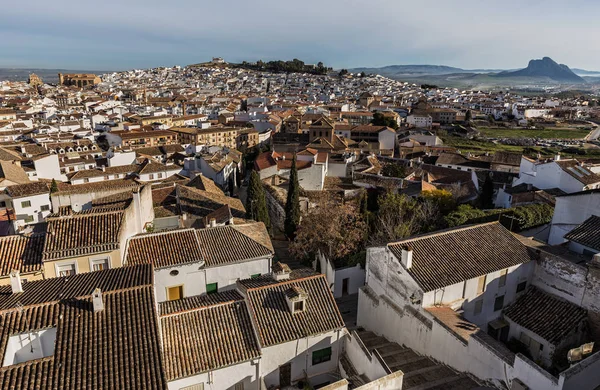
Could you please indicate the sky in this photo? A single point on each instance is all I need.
(128, 34)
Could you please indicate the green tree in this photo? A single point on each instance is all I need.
(53, 187)
(379, 119)
(468, 116)
(292, 205)
(487, 193)
(393, 170)
(442, 199)
(256, 203)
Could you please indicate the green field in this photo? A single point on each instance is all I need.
(479, 147)
(548, 133)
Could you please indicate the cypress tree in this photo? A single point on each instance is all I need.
(487, 193)
(53, 186)
(292, 206)
(256, 203)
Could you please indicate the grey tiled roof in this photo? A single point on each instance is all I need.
(587, 234)
(549, 317)
(452, 256)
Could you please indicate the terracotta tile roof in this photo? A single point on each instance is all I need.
(267, 279)
(154, 167)
(13, 173)
(275, 323)
(587, 234)
(105, 185)
(98, 172)
(82, 234)
(578, 172)
(549, 317)
(216, 333)
(23, 253)
(233, 243)
(196, 301)
(28, 189)
(86, 354)
(164, 249)
(201, 203)
(202, 182)
(452, 256)
(63, 288)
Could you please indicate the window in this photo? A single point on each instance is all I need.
(26, 204)
(478, 307)
(28, 218)
(86, 180)
(212, 288)
(160, 175)
(66, 269)
(99, 264)
(151, 176)
(45, 207)
(254, 276)
(481, 284)
(298, 306)
(521, 287)
(239, 386)
(174, 293)
(499, 303)
(321, 356)
(502, 280)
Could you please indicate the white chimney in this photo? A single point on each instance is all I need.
(407, 255)
(103, 168)
(15, 282)
(97, 300)
(213, 222)
(557, 157)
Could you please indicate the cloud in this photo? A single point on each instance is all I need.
(342, 33)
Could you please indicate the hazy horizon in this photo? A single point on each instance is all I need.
(467, 34)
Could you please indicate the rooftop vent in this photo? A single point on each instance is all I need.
(281, 271)
(296, 299)
(407, 256)
(97, 301)
(16, 282)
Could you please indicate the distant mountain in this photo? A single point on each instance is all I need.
(583, 72)
(419, 70)
(545, 68)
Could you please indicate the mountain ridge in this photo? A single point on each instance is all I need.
(546, 67)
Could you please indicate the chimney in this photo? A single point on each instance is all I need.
(557, 157)
(529, 186)
(97, 300)
(407, 255)
(15, 282)
(213, 222)
(103, 168)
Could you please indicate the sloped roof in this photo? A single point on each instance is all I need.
(275, 323)
(587, 234)
(208, 334)
(13, 173)
(23, 253)
(549, 317)
(452, 256)
(164, 249)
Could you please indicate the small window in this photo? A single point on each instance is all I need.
(26, 204)
(45, 207)
(86, 180)
(481, 284)
(159, 175)
(66, 270)
(254, 276)
(151, 176)
(212, 288)
(298, 306)
(321, 356)
(174, 293)
(521, 287)
(28, 219)
(499, 303)
(502, 280)
(99, 264)
(478, 307)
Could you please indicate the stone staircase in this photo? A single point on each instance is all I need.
(420, 372)
(353, 378)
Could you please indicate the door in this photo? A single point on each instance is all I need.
(285, 375)
(345, 283)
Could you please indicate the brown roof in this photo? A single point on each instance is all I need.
(549, 317)
(23, 253)
(164, 249)
(12, 172)
(82, 234)
(578, 172)
(233, 243)
(452, 256)
(96, 172)
(201, 203)
(86, 354)
(587, 234)
(189, 303)
(211, 333)
(275, 323)
(105, 185)
(28, 189)
(202, 182)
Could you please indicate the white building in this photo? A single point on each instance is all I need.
(30, 202)
(570, 211)
(568, 175)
